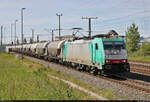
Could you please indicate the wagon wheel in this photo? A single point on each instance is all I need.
(78, 67)
(95, 71)
(101, 72)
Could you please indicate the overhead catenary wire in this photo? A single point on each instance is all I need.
(117, 20)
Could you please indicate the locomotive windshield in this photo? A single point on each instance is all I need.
(113, 48)
(114, 45)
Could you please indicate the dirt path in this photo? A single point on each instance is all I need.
(79, 87)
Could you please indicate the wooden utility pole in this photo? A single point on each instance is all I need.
(89, 18)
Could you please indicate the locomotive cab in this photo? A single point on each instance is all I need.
(115, 56)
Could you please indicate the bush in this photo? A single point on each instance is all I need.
(144, 50)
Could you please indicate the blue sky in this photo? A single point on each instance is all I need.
(41, 14)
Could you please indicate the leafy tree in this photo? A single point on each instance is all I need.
(133, 38)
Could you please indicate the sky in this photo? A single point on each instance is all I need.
(41, 15)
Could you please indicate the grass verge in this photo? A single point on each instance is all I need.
(30, 82)
(140, 58)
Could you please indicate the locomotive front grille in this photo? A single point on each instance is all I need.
(114, 68)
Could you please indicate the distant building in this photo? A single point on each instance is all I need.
(65, 37)
(145, 40)
(113, 34)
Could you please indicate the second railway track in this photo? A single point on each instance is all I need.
(140, 67)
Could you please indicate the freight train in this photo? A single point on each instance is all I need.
(99, 55)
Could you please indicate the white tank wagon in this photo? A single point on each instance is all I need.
(28, 49)
(13, 48)
(19, 48)
(24, 48)
(8, 49)
(33, 49)
(54, 50)
(41, 48)
(16, 48)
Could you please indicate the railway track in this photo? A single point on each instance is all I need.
(131, 85)
(137, 82)
(146, 72)
(128, 82)
(140, 62)
(140, 67)
(145, 65)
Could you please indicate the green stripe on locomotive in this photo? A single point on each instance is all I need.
(65, 49)
(98, 52)
(113, 39)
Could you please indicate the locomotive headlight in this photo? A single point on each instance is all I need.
(124, 60)
(115, 52)
(106, 56)
(107, 61)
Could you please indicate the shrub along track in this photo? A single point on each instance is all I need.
(134, 84)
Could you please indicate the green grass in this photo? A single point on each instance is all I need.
(108, 94)
(30, 81)
(140, 58)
